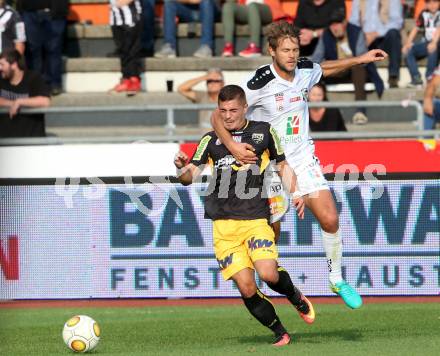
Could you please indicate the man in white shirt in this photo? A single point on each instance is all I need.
(277, 93)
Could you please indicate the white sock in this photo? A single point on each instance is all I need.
(333, 251)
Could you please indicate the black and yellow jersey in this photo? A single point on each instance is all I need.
(236, 191)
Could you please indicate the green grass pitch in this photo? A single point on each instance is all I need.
(375, 329)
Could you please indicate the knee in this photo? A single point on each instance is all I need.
(247, 290)
(393, 35)
(330, 222)
(269, 276)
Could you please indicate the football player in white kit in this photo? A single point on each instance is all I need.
(277, 93)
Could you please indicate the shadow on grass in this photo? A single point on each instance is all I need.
(311, 337)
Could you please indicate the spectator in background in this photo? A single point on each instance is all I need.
(345, 40)
(256, 13)
(381, 21)
(203, 11)
(312, 18)
(45, 22)
(12, 29)
(324, 119)
(431, 104)
(428, 23)
(21, 88)
(214, 83)
(125, 21)
(148, 22)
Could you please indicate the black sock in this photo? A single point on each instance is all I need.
(262, 310)
(286, 287)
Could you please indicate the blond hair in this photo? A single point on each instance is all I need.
(279, 30)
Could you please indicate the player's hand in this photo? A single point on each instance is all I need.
(180, 159)
(432, 47)
(14, 108)
(375, 55)
(299, 205)
(244, 153)
(406, 48)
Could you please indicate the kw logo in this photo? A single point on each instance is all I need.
(254, 243)
(292, 125)
(225, 262)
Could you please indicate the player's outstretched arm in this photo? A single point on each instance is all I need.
(335, 67)
(185, 172)
(288, 177)
(242, 152)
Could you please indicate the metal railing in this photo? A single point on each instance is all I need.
(170, 125)
(425, 134)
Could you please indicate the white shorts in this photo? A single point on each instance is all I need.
(309, 179)
(279, 198)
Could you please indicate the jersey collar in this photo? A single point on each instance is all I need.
(284, 81)
(240, 130)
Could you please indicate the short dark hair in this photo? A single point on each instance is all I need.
(279, 30)
(337, 16)
(232, 92)
(13, 56)
(323, 87)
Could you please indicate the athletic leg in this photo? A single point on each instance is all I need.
(323, 207)
(257, 303)
(278, 279)
(318, 198)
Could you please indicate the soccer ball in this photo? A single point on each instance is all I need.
(81, 333)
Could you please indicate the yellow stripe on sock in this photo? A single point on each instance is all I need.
(262, 296)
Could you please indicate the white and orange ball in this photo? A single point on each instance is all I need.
(81, 333)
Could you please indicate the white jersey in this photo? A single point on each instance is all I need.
(284, 105)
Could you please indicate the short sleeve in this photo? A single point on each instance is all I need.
(18, 30)
(276, 151)
(251, 95)
(38, 86)
(202, 152)
(316, 75)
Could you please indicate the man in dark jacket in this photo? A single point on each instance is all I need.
(345, 40)
(45, 22)
(312, 18)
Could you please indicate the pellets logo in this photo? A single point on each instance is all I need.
(292, 125)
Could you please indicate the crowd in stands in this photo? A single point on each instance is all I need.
(31, 47)
(35, 29)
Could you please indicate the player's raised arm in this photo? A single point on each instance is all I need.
(330, 68)
(243, 152)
